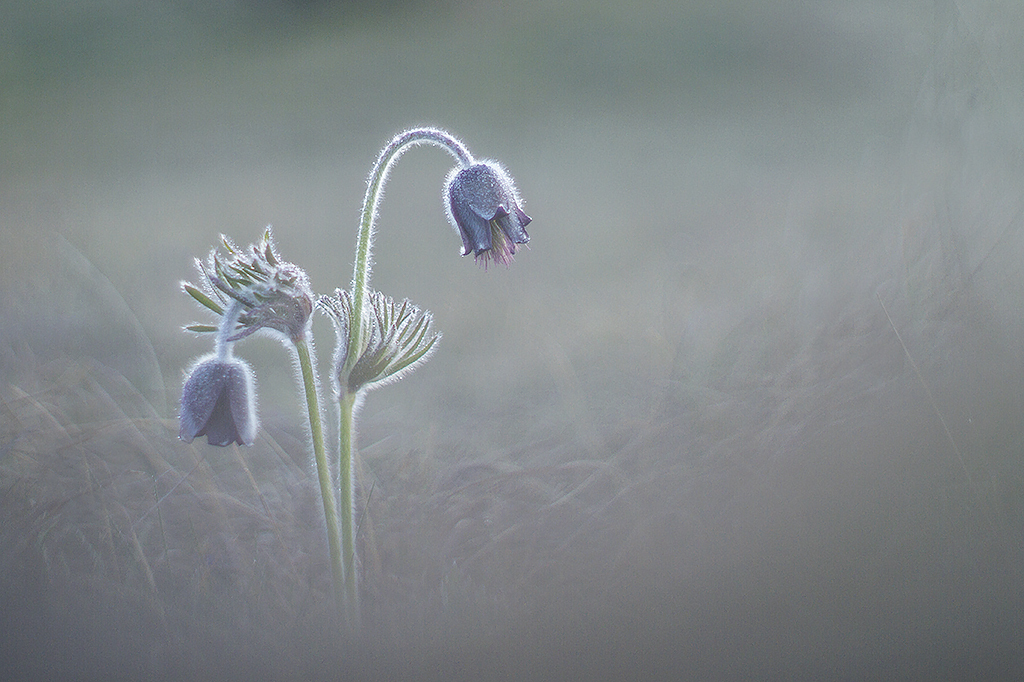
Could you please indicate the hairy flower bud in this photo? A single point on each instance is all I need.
(484, 207)
(218, 401)
(273, 294)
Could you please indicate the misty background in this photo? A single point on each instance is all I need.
(748, 406)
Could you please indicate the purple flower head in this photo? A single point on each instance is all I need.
(218, 401)
(484, 206)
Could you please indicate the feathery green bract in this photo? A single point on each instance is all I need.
(398, 337)
(202, 298)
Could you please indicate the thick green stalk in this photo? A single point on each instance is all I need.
(323, 471)
(346, 472)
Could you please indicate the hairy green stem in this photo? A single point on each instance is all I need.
(346, 472)
(347, 400)
(323, 471)
(364, 244)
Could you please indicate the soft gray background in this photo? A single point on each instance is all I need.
(749, 406)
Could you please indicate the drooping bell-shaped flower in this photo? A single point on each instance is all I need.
(218, 401)
(485, 208)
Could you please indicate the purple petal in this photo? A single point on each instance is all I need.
(218, 401)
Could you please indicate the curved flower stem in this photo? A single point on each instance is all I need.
(375, 185)
(347, 400)
(323, 471)
(346, 469)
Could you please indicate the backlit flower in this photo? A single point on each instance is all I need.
(218, 401)
(484, 206)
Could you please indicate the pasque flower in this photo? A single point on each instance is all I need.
(249, 290)
(218, 401)
(379, 339)
(484, 206)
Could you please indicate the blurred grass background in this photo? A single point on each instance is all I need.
(679, 436)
